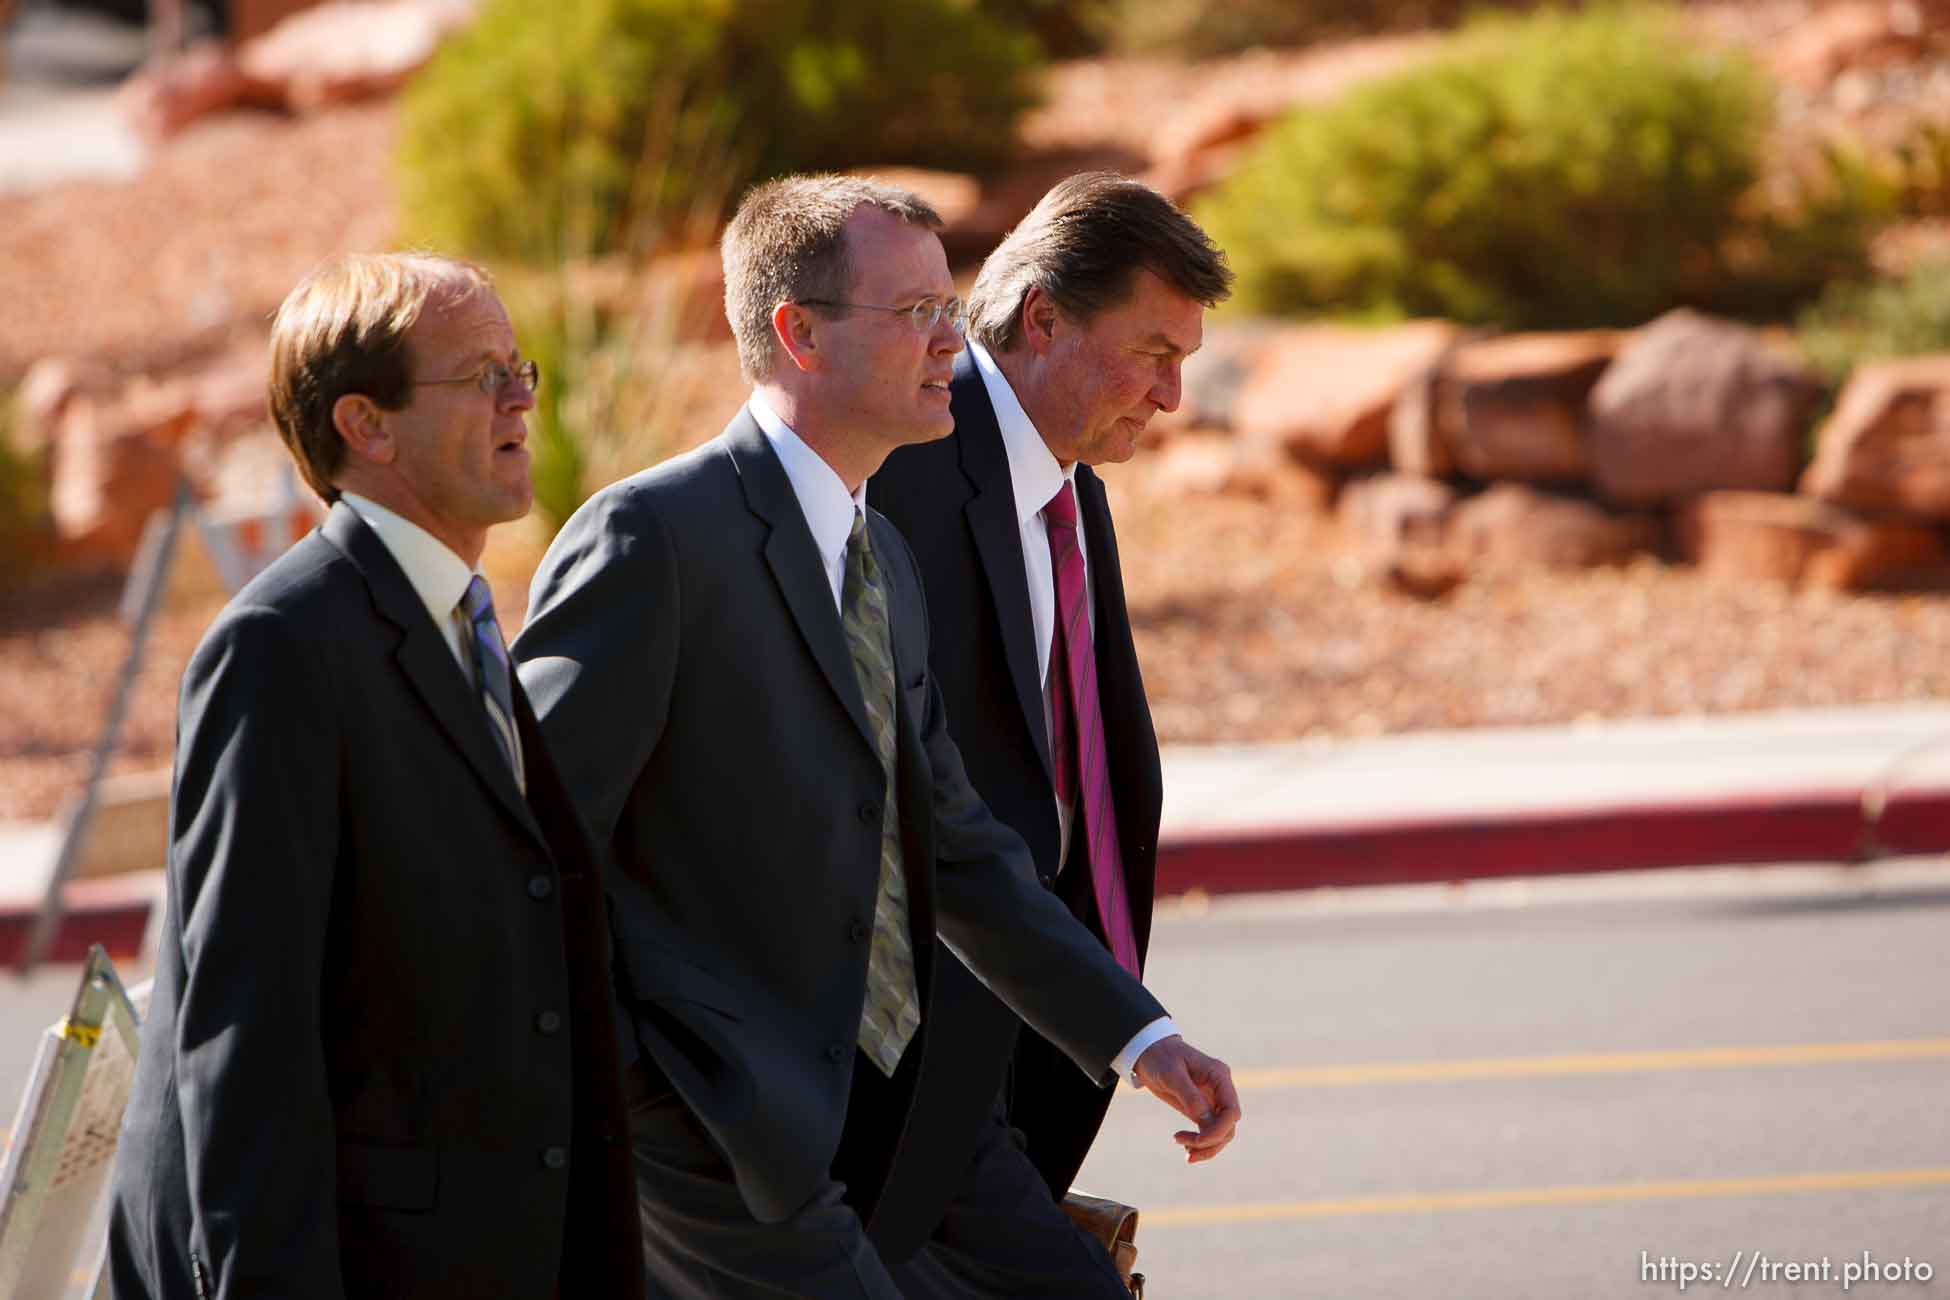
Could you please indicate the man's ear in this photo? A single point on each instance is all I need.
(362, 424)
(1038, 318)
(794, 330)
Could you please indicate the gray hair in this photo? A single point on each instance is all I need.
(1083, 245)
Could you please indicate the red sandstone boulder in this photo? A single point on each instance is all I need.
(1324, 393)
(252, 18)
(1887, 446)
(1214, 375)
(1693, 404)
(337, 53)
(1193, 466)
(953, 195)
(1514, 525)
(169, 94)
(50, 386)
(1838, 37)
(1385, 513)
(1415, 442)
(114, 463)
(1507, 408)
(1196, 465)
(1795, 540)
(296, 57)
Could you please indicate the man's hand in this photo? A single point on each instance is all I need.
(1197, 1086)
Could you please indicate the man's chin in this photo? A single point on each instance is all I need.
(936, 426)
(515, 505)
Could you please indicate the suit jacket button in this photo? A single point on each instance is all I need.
(1049, 881)
(548, 1022)
(540, 887)
(869, 812)
(836, 1053)
(554, 1158)
(858, 931)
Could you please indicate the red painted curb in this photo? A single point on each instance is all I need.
(1826, 826)
(113, 912)
(1819, 826)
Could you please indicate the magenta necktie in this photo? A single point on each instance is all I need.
(1077, 729)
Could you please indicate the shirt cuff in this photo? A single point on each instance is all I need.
(1126, 1060)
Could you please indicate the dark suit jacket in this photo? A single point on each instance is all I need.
(954, 500)
(685, 655)
(380, 1056)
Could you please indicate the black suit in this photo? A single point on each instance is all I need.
(955, 502)
(688, 663)
(380, 1056)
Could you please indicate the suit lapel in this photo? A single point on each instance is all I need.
(795, 563)
(427, 662)
(992, 522)
(1106, 582)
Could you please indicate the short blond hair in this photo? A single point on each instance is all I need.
(787, 243)
(343, 330)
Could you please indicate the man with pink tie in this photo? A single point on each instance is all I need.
(1079, 323)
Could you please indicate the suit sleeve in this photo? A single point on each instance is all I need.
(253, 854)
(598, 652)
(1015, 935)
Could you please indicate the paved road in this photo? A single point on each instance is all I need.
(1513, 1089)
(1545, 1079)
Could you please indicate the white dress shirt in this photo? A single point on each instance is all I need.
(1037, 477)
(829, 509)
(824, 501)
(440, 578)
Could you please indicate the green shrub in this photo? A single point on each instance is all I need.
(1853, 323)
(1202, 28)
(610, 396)
(1921, 165)
(1558, 170)
(589, 127)
(1064, 28)
(1811, 232)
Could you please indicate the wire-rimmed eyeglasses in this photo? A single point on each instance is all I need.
(493, 378)
(923, 315)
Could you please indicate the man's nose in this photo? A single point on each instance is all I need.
(1170, 387)
(946, 338)
(516, 396)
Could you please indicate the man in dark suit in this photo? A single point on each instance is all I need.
(380, 1058)
(1080, 320)
(730, 654)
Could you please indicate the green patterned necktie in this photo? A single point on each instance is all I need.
(892, 1012)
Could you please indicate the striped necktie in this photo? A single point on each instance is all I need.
(1077, 749)
(893, 1011)
(491, 671)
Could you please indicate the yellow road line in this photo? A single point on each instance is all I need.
(1530, 1067)
(1516, 1197)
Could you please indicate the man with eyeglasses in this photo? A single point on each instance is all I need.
(380, 1058)
(730, 654)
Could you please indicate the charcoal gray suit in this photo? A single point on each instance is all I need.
(379, 1060)
(954, 500)
(689, 668)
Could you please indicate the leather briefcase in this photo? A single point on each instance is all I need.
(1115, 1225)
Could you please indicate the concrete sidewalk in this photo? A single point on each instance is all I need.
(1820, 786)
(1830, 786)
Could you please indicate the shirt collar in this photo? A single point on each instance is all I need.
(829, 508)
(438, 575)
(1033, 469)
